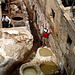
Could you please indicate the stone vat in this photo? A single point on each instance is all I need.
(46, 60)
(44, 54)
(14, 44)
(30, 69)
(49, 68)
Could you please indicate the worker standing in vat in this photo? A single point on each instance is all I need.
(45, 36)
(6, 22)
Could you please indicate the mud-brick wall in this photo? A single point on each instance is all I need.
(67, 41)
(44, 14)
(69, 45)
(63, 32)
(38, 14)
(56, 22)
(62, 38)
(48, 6)
(60, 25)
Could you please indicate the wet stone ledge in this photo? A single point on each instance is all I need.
(14, 45)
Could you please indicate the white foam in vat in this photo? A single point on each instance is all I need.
(12, 31)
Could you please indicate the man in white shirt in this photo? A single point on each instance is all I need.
(6, 21)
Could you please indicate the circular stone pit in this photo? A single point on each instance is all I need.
(30, 69)
(45, 52)
(49, 68)
(17, 18)
(43, 55)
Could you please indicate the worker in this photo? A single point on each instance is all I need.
(6, 22)
(45, 36)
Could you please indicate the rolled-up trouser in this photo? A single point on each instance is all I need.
(5, 24)
(45, 39)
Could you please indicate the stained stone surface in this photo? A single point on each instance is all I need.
(14, 45)
(15, 42)
(28, 66)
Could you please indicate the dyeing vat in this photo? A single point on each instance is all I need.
(49, 68)
(30, 69)
(45, 52)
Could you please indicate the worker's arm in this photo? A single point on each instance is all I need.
(48, 33)
(2, 19)
(9, 19)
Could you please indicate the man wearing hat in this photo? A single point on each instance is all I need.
(45, 36)
(5, 21)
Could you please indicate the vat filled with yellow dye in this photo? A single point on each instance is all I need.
(29, 71)
(45, 52)
(49, 68)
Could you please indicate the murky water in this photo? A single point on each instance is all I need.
(30, 71)
(48, 68)
(45, 52)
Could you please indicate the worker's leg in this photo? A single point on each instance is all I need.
(11, 25)
(2, 25)
(43, 41)
(6, 25)
(48, 43)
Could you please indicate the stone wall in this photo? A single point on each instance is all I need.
(63, 28)
(15, 45)
(51, 13)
